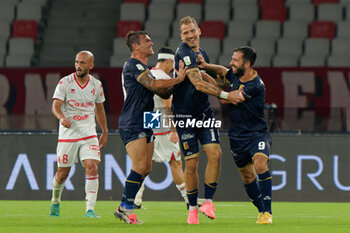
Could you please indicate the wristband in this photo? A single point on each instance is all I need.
(223, 95)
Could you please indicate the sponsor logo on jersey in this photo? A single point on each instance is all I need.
(151, 120)
(74, 103)
(72, 91)
(187, 136)
(94, 147)
(140, 67)
(80, 118)
(187, 60)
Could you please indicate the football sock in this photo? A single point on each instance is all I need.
(56, 191)
(265, 185)
(209, 190)
(182, 190)
(139, 194)
(254, 194)
(91, 190)
(132, 185)
(192, 197)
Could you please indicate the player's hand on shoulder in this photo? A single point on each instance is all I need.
(201, 62)
(65, 122)
(181, 73)
(174, 137)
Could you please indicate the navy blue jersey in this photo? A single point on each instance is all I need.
(247, 117)
(186, 99)
(137, 98)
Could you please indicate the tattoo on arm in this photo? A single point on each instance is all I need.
(147, 82)
(201, 85)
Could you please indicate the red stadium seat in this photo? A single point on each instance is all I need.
(138, 1)
(270, 3)
(322, 29)
(123, 27)
(191, 1)
(273, 12)
(316, 2)
(25, 28)
(213, 29)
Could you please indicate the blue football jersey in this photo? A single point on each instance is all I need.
(137, 98)
(247, 117)
(186, 99)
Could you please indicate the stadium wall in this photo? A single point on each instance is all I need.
(304, 168)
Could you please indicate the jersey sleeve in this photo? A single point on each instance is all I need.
(250, 90)
(229, 75)
(100, 98)
(60, 91)
(189, 58)
(137, 70)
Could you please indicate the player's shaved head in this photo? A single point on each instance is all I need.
(88, 55)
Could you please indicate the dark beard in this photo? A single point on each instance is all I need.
(82, 75)
(240, 72)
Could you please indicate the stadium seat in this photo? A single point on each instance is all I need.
(291, 2)
(234, 2)
(285, 61)
(316, 46)
(191, 1)
(25, 28)
(270, 3)
(171, 3)
(120, 47)
(344, 2)
(123, 27)
(330, 12)
(118, 60)
(231, 43)
(246, 12)
(186, 9)
(240, 29)
(322, 29)
(157, 28)
(40, 2)
(317, 2)
(175, 29)
(4, 30)
(18, 60)
(273, 12)
(174, 42)
(215, 29)
(21, 46)
(225, 59)
(212, 46)
(161, 11)
(343, 29)
(295, 29)
(290, 46)
(217, 12)
(10, 2)
(28, 11)
(338, 61)
(7, 12)
(221, 2)
(302, 12)
(267, 29)
(312, 61)
(347, 12)
(145, 2)
(263, 46)
(340, 46)
(132, 11)
(3, 47)
(263, 60)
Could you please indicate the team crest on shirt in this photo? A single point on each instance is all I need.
(140, 67)
(187, 60)
(93, 91)
(186, 146)
(241, 87)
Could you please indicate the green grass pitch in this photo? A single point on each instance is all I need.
(240, 217)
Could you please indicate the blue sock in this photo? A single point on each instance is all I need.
(192, 197)
(265, 184)
(132, 185)
(254, 194)
(209, 190)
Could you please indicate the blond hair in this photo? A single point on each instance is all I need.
(187, 20)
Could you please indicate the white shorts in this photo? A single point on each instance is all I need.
(68, 152)
(165, 150)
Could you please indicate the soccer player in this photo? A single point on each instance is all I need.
(191, 102)
(77, 99)
(139, 87)
(248, 133)
(166, 145)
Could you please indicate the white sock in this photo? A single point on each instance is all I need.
(193, 207)
(182, 190)
(139, 194)
(91, 189)
(56, 191)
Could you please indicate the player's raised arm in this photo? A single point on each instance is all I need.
(163, 88)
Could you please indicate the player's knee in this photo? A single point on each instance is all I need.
(261, 168)
(61, 177)
(248, 178)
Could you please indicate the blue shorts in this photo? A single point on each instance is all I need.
(260, 143)
(189, 136)
(130, 134)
